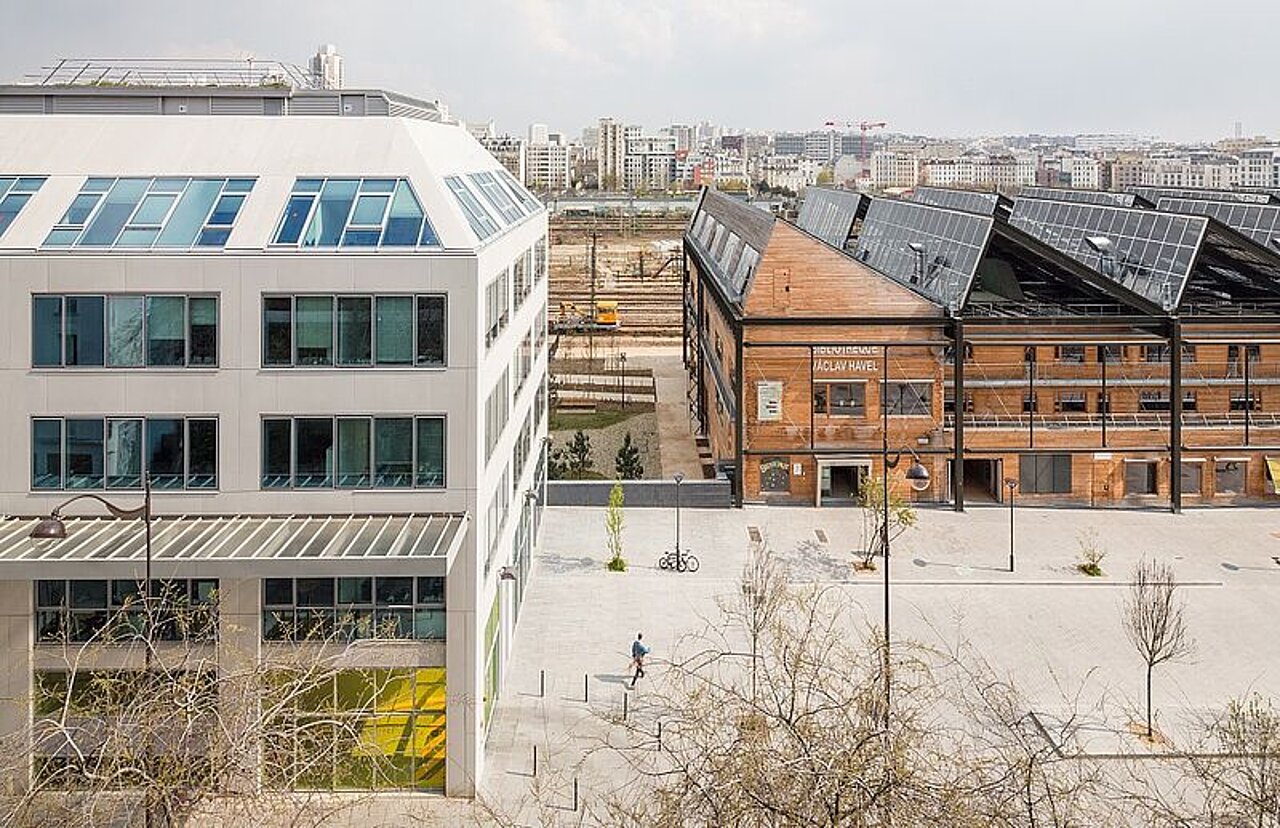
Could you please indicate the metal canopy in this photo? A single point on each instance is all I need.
(237, 545)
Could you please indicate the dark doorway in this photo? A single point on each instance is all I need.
(982, 480)
(841, 485)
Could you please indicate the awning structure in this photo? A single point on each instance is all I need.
(232, 546)
(1273, 473)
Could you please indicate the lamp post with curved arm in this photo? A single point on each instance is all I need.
(53, 528)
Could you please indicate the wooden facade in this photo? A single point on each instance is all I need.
(788, 375)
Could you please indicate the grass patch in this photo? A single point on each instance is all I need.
(587, 421)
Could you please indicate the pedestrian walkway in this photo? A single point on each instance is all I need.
(677, 450)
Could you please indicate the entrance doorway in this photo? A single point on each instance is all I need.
(983, 481)
(841, 481)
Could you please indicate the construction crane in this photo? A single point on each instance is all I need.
(864, 127)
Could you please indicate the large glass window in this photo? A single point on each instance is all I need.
(908, 398)
(124, 331)
(114, 453)
(151, 213)
(100, 610)
(368, 330)
(14, 195)
(1229, 477)
(1140, 477)
(382, 452)
(481, 222)
(368, 212)
(839, 399)
(397, 607)
(1192, 478)
(1045, 473)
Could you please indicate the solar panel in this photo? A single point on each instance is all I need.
(984, 204)
(1149, 252)
(1080, 196)
(829, 214)
(1154, 194)
(1260, 222)
(932, 249)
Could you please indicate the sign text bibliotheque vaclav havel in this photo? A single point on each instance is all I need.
(846, 359)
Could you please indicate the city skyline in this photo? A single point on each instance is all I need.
(567, 63)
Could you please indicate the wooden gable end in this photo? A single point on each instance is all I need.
(799, 276)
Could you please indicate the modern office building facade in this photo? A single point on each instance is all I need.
(321, 341)
(1088, 346)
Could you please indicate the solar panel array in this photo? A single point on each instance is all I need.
(829, 214)
(1151, 253)
(1154, 194)
(948, 246)
(1260, 222)
(984, 204)
(731, 255)
(1080, 196)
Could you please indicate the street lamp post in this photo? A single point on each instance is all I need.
(1012, 483)
(53, 528)
(918, 476)
(622, 358)
(679, 478)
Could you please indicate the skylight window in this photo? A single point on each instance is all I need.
(14, 195)
(482, 224)
(354, 212)
(499, 197)
(151, 213)
(521, 195)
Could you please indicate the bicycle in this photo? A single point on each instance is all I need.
(679, 561)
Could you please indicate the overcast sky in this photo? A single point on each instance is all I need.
(1182, 69)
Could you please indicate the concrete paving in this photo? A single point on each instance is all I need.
(677, 449)
(1045, 625)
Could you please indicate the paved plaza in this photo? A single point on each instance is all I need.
(1043, 624)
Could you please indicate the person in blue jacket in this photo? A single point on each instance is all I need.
(638, 652)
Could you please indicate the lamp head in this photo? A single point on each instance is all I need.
(51, 528)
(918, 476)
(1102, 244)
(678, 477)
(916, 247)
(1011, 482)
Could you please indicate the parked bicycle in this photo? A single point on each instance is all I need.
(679, 561)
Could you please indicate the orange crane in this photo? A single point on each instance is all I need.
(864, 127)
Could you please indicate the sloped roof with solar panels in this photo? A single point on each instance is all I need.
(830, 214)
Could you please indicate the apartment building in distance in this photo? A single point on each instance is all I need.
(1095, 348)
(313, 322)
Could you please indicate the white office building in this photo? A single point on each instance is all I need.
(321, 339)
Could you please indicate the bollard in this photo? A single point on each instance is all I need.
(535, 760)
(575, 794)
(659, 734)
(586, 699)
(624, 706)
(542, 684)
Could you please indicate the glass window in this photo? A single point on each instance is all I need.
(848, 399)
(355, 590)
(124, 331)
(431, 590)
(115, 211)
(84, 454)
(277, 444)
(395, 330)
(394, 591)
(430, 461)
(203, 322)
(277, 330)
(354, 330)
(84, 331)
(405, 220)
(909, 398)
(1071, 353)
(1229, 477)
(393, 452)
(189, 216)
(313, 452)
(166, 330)
(46, 331)
(1045, 473)
(202, 454)
(353, 452)
(1192, 478)
(124, 454)
(1140, 478)
(432, 330)
(46, 454)
(330, 217)
(314, 320)
(370, 210)
(295, 218)
(165, 453)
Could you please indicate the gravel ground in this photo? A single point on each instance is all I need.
(605, 443)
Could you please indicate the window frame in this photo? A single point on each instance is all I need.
(928, 402)
(1151, 470)
(333, 484)
(312, 189)
(296, 606)
(858, 389)
(144, 452)
(143, 332)
(415, 299)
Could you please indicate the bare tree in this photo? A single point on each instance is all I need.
(902, 516)
(1154, 621)
(153, 720)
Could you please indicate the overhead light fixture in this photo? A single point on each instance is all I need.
(916, 247)
(1101, 244)
(918, 476)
